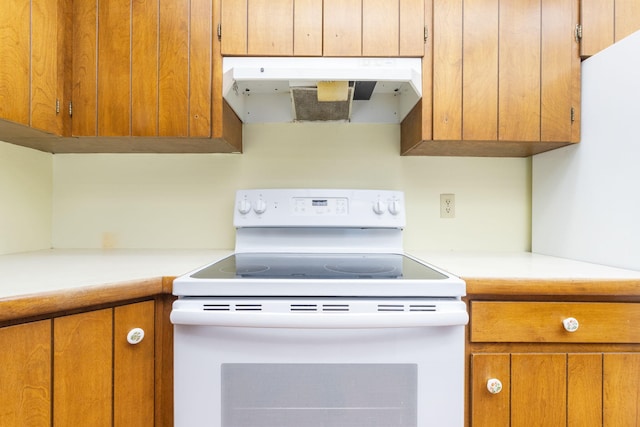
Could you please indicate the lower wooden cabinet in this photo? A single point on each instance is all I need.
(99, 378)
(25, 375)
(530, 368)
(95, 368)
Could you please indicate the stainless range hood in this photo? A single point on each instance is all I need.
(290, 89)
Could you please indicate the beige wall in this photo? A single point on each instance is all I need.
(186, 201)
(25, 199)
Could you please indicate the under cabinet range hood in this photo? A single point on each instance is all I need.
(297, 89)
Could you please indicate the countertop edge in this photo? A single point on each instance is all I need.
(59, 301)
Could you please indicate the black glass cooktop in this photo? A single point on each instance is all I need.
(318, 266)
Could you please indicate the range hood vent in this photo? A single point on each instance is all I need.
(362, 90)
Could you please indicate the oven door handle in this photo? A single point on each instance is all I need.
(320, 320)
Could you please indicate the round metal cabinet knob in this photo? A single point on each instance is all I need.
(135, 336)
(570, 324)
(494, 385)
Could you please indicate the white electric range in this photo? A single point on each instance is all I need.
(318, 318)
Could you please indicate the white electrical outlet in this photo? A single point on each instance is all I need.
(447, 206)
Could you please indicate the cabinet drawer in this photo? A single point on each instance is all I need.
(497, 321)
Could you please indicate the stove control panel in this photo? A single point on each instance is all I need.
(319, 208)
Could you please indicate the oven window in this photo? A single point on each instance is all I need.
(318, 395)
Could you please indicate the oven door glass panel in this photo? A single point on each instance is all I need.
(318, 395)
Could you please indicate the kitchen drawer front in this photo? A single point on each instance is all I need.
(501, 321)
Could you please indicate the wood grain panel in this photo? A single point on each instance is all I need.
(490, 409)
(597, 19)
(307, 28)
(556, 79)
(134, 376)
(44, 65)
(144, 68)
(200, 78)
(412, 27)
(82, 369)
(480, 75)
(584, 390)
(85, 101)
(25, 377)
(380, 27)
(15, 60)
(447, 70)
(627, 18)
(499, 321)
(538, 390)
(621, 379)
(114, 68)
(270, 27)
(173, 76)
(342, 28)
(234, 27)
(519, 71)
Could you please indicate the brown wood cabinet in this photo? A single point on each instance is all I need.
(317, 28)
(548, 374)
(604, 22)
(142, 68)
(119, 76)
(25, 374)
(32, 64)
(506, 80)
(79, 369)
(99, 378)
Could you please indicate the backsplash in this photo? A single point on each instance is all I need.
(186, 200)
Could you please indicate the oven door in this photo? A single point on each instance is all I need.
(318, 369)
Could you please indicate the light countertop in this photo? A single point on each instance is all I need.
(58, 270)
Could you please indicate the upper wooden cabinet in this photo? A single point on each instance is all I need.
(604, 22)
(142, 68)
(323, 28)
(32, 63)
(106, 72)
(506, 80)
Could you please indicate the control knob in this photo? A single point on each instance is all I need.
(244, 206)
(260, 206)
(395, 207)
(379, 207)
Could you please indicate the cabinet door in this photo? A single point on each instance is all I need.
(50, 83)
(133, 378)
(627, 18)
(307, 28)
(490, 409)
(621, 378)
(342, 28)
(597, 19)
(82, 369)
(519, 71)
(270, 27)
(25, 375)
(534, 387)
(584, 390)
(380, 28)
(14, 60)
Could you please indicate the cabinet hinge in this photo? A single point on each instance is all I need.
(219, 30)
(70, 109)
(573, 115)
(578, 32)
(426, 33)
(57, 106)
